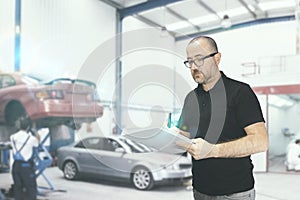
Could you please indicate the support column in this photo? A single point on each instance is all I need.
(118, 75)
(17, 35)
(297, 18)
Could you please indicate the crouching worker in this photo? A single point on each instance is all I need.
(293, 156)
(25, 147)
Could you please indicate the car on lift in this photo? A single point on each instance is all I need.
(61, 101)
(121, 159)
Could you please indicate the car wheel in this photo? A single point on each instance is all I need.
(142, 179)
(13, 112)
(70, 170)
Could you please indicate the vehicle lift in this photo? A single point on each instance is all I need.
(44, 160)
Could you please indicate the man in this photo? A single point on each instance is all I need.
(225, 118)
(24, 147)
(293, 156)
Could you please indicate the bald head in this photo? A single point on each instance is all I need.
(210, 43)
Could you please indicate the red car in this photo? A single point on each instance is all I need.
(61, 101)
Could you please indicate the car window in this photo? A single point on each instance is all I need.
(90, 143)
(105, 144)
(80, 145)
(30, 80)
(6, 81)
(114, 144)
(109, 144)
(136, 147)
(93, 143)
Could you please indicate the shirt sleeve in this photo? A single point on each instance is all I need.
(181, 124)
(248, 108)
(190, 115)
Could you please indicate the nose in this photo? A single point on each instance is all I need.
(194, 66)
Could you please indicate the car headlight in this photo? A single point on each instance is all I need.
(171, 167)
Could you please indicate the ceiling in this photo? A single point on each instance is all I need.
(187, 17)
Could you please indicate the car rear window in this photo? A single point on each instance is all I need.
(73, 81)
(6, 81)
(30, 80)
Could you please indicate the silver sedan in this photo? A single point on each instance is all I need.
(121, 158)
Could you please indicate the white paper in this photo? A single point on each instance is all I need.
(161, 139)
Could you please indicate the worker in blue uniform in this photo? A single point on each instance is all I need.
(24, 146)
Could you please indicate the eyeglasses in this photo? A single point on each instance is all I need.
(198, 61)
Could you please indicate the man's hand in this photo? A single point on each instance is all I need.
(199, 149)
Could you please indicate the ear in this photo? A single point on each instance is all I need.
(218, 58)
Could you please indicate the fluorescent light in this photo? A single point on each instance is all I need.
(276, 4)
(197, 20)
(204, 19)
(177, 25)
(279, 101)
(151, 10)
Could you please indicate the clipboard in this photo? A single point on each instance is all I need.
(161, 139)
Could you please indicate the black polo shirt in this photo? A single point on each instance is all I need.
(220, 115)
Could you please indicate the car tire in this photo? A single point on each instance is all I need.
(70, 170)
(142, 178)
(13, 112)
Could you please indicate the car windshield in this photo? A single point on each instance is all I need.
(30, 80)
(136, 147)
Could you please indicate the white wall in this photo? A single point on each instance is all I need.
(249, 44)
(277, 121)
(7, 16)
(59, 35)
(293, 117)
(148, 74)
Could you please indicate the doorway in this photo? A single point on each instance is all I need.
(281, 109)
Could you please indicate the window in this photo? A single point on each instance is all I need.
(109, 145)
(104, 144)
(6, 81)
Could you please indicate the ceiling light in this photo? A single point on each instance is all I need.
(226, 22)
(204, 19)
(164, 32)
(177, 25)
(233, 12)
(277, 4)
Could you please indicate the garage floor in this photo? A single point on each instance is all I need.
(269, 186)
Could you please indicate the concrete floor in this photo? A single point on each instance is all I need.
(269, 186)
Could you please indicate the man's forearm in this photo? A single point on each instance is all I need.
(239, 148)
(245, 146)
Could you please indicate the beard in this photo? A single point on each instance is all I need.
(198, 77)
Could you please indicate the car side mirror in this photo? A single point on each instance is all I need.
(120, 150)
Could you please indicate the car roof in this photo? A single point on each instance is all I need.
(101, 136)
